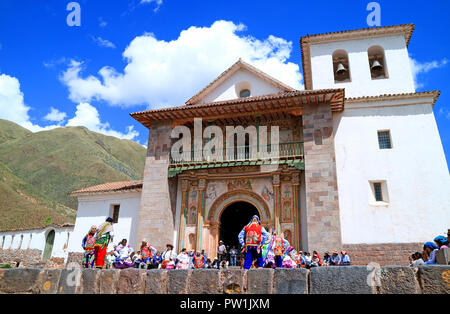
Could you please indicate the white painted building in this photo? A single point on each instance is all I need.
(52, 241)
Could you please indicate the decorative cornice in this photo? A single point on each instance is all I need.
(405, 96)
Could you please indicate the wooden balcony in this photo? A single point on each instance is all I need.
(249, 154)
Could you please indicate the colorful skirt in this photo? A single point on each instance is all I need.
(183, 265)
(100, 254)
(122, 263)
(89, 259)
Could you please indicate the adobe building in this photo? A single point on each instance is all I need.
(361, 166)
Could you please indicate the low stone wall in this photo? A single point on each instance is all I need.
(382, 253)
(29, 258)
(348, 280)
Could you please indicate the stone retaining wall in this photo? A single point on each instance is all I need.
(383, 253)
(29, 258)
(348, 280)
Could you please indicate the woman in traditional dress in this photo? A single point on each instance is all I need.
(105, 233)
(123, 253)
(88, 247)
(183, 260)
(168, 256)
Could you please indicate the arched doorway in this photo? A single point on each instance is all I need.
(49, 240)
(233, 218)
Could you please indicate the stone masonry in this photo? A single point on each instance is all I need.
(322, 203)
(382, 253)
(156, 222)
(320, 280)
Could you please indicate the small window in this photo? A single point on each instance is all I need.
(378, 191)
(341, 67)
(244, 93)
(115, 213)
(384, 139)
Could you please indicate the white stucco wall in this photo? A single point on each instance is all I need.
(35, 239)
(415, 171)
(400, 78)
(228, 90)
(93, 210)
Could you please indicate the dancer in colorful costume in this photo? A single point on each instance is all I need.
(252, 237)
(289, 258)
(105, 233)
(88, 247)
(278, 246)
(199, 260)
(147, 254)
(123, 254)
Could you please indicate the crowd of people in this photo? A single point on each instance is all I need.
(430, 249)
(258, 249)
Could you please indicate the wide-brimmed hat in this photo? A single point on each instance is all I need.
(170, 245)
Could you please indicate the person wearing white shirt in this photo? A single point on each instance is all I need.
(169, 255)
(123, 254)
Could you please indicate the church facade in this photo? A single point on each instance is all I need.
(359, 165)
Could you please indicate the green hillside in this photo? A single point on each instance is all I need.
(23, 207)
(62, 160)
(10, 131)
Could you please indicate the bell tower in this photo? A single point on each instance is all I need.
(366, 62)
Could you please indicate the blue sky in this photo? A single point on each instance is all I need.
(132, 55)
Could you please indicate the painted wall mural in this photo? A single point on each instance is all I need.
(239, 184)
(267, 193)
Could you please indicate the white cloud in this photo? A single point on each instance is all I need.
(102, 22)
(166, 73)
(88, 116)
(103, 42)
(157, 2)
(13, 108)
(55, 115)
(418, 68)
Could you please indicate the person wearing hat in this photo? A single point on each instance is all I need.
(252, 237)
(345, 259)
(168, 255)
(104, 235)
(221, 251)
(334, 259)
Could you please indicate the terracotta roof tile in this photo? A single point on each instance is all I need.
(109, 187)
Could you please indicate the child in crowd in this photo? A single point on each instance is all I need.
(110, 259)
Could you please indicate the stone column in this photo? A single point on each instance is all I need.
(184, 199)
(199, 227)
(297, 214)
(155, 216)
(276, 204)
(322, 203)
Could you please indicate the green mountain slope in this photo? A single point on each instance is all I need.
(62, 160)
(10, 131)
(23, 207)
